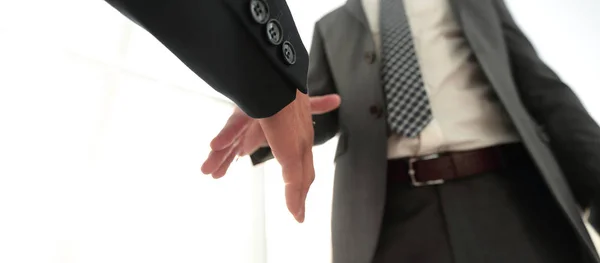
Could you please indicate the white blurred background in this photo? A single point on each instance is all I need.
(103, 131)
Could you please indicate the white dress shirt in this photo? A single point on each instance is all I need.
(465, 116)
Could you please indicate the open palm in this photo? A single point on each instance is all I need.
(243, 135)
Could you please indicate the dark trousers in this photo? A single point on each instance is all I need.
(502, 217)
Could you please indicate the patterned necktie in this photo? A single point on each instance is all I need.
(407, 103)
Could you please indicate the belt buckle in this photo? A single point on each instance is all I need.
(411, 171)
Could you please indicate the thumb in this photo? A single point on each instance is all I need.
(324, 104)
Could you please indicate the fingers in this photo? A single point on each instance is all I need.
(247, 141)
(225, 145)
(298, 178)
(235, 126)
(222, 170)
(309, 178)
(324, 104)
(294, 193)
(216, 158)
(253, 139)
(290, 135)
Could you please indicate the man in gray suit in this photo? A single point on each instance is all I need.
(456, 142)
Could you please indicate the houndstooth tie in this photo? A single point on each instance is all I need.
(407, 103)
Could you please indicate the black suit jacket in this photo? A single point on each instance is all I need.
(227, 44)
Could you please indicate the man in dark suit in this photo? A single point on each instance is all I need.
(457, 143)
(250, 51)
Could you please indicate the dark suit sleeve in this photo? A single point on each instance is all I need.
(224, 45)
(574, 135)
(320, 82)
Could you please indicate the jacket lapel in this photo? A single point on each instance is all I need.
(483, 32)
(356, 10)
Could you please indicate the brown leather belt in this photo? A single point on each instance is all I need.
(439, 168)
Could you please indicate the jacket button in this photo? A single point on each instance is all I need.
(274, 32)
(259, 10)
(376, 111)
(289, 54)
(370, 57)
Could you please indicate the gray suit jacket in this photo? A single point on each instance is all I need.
(562, 138)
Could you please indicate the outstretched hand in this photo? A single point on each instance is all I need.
(289, 133)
